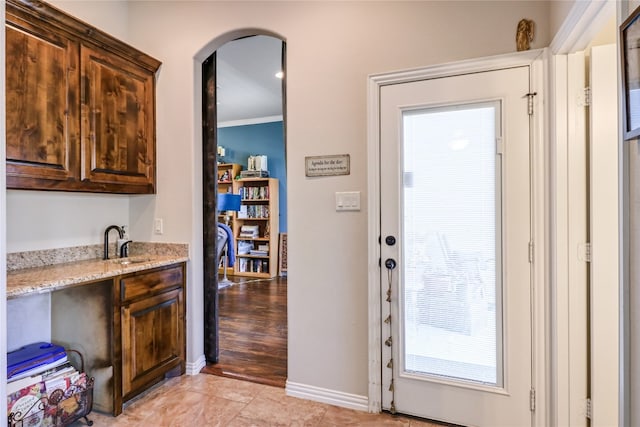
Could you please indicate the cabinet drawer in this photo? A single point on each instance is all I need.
(150, 282)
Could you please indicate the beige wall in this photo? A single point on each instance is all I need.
(107, 15)
(331, 49)
(558, 12)
(608, 34)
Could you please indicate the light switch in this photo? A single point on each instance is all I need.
(347, 201)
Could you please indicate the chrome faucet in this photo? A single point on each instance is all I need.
(106, 238)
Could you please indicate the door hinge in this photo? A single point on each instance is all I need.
(499, 146)
(531, 252)
(532, 399)
(587, 96)
(585, 252)
(530, 96)
(584, 97)
(589, 408)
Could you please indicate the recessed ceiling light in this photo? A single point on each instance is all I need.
(280, 74)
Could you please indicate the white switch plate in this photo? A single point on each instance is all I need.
(158, 226)
(347, 201)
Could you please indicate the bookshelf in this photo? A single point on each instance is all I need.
(256, 228)
(225, 183)
(227, 172)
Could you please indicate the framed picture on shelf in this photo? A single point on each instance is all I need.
(630, 67)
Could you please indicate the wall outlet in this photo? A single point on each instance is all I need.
(158, 226)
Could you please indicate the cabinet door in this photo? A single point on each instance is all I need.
(118, 116)
(152, 339)
(42, 106)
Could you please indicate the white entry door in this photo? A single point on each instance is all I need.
(455, 197)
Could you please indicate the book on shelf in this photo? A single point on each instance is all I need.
(246, 265)
(258, 253)
(261, 266)
(249, 231)
(254, 193)
(244, 247)
(257, 211)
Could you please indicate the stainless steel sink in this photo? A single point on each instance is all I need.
(129, 260)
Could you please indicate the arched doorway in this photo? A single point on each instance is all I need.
(210, 145)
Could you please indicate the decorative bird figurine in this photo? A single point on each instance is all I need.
(524, 35)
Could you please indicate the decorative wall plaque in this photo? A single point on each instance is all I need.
(337, 164)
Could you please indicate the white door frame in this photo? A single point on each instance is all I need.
(604, 236)
(583, 23)
(539, 167)
(568, 226)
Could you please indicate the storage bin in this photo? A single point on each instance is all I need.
(34, 406)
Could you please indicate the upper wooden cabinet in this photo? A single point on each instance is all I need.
(41, 106)
(117, 128)
(80, 105)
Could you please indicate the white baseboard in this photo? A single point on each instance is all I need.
(194, 368)
(332, 397)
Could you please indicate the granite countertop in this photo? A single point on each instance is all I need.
(49, 278)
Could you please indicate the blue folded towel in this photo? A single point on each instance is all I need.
(231, 253)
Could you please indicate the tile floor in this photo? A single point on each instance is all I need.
(208, 400)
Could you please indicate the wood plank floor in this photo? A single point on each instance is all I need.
(253, 331)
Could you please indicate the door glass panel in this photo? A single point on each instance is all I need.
(451, 295)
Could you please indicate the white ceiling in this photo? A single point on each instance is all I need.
(247, 89)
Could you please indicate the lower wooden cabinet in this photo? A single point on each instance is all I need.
(130, 330)
(151, 339)
(152, 327)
